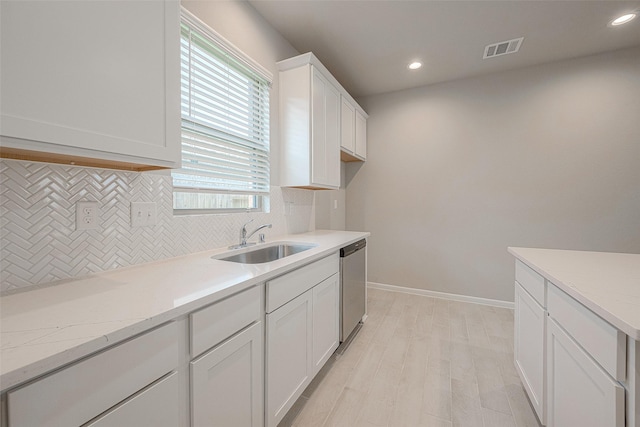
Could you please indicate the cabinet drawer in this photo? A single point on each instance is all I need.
(606, 344)
(77, 394)
(532, 282)
(579, 392)
(285, 288)
(154, 406)
(217, 322)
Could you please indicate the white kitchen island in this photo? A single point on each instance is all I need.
(577, 335)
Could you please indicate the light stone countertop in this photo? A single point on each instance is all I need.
(606, 283)
(44, 329)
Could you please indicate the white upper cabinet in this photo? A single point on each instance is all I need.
(361, 135)
(91, 83)
(325, 125)
(347, 127)
(311, 115)
(353, 131)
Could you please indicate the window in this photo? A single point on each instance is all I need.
(225, 125)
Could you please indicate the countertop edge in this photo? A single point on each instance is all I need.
(73, 354)
(605, 314)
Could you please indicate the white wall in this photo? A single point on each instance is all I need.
(546, 156)
(331, 205)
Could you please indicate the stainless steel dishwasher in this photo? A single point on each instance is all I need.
(352, 287)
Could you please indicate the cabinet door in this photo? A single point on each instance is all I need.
(325, 121)
(94, 79)
(154, 406)
(227, 385)
(529, 348)
(288, 357)
(580, 392)
(326, 319)
(361, 136)
(347, 126)
(333, 136)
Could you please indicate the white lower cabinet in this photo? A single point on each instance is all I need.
(288, 358)
(326, 321)
(580, 392)
(529, 348)
(227, 382)
(210, 367)
(302, 333)
(572, 363)
(77, 394)
(153, 406)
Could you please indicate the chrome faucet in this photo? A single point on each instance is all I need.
(244, 236)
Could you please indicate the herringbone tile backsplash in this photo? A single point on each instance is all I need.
(38, 239)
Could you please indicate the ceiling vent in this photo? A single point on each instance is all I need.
(502, 48)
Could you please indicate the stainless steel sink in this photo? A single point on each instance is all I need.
(264, 254)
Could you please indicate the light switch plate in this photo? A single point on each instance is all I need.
(87, 215)
(143, 214)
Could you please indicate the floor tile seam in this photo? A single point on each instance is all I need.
(513, 414)
(484, 328)
(383, 316)
(450, 390)
(441, 419)
(335, 403)
(300, 411)
(346, 381)
(362, 407)
(531, 408)
(333, 408)
(396, 382)
(424, 369)
(466, 326)
(351, 372)
(378, 364)
(479, 393)
(499, 412)
(414, 325)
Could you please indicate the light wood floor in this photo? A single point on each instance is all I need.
(420, 361)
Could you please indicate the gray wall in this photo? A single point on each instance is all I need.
(546, 156)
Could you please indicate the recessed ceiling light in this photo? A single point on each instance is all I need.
(414, 65)
(623, 19)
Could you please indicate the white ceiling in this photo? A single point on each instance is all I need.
(367, 44)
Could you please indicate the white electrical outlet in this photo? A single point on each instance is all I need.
(87, 214)
(143, 214)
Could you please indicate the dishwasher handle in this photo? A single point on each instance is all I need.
(352, 248)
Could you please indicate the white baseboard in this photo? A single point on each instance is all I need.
(442, 295)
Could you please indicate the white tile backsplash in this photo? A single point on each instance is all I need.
(39, 243)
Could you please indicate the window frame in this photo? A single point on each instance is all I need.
(251, 70)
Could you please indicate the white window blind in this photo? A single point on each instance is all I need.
(225, 116)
